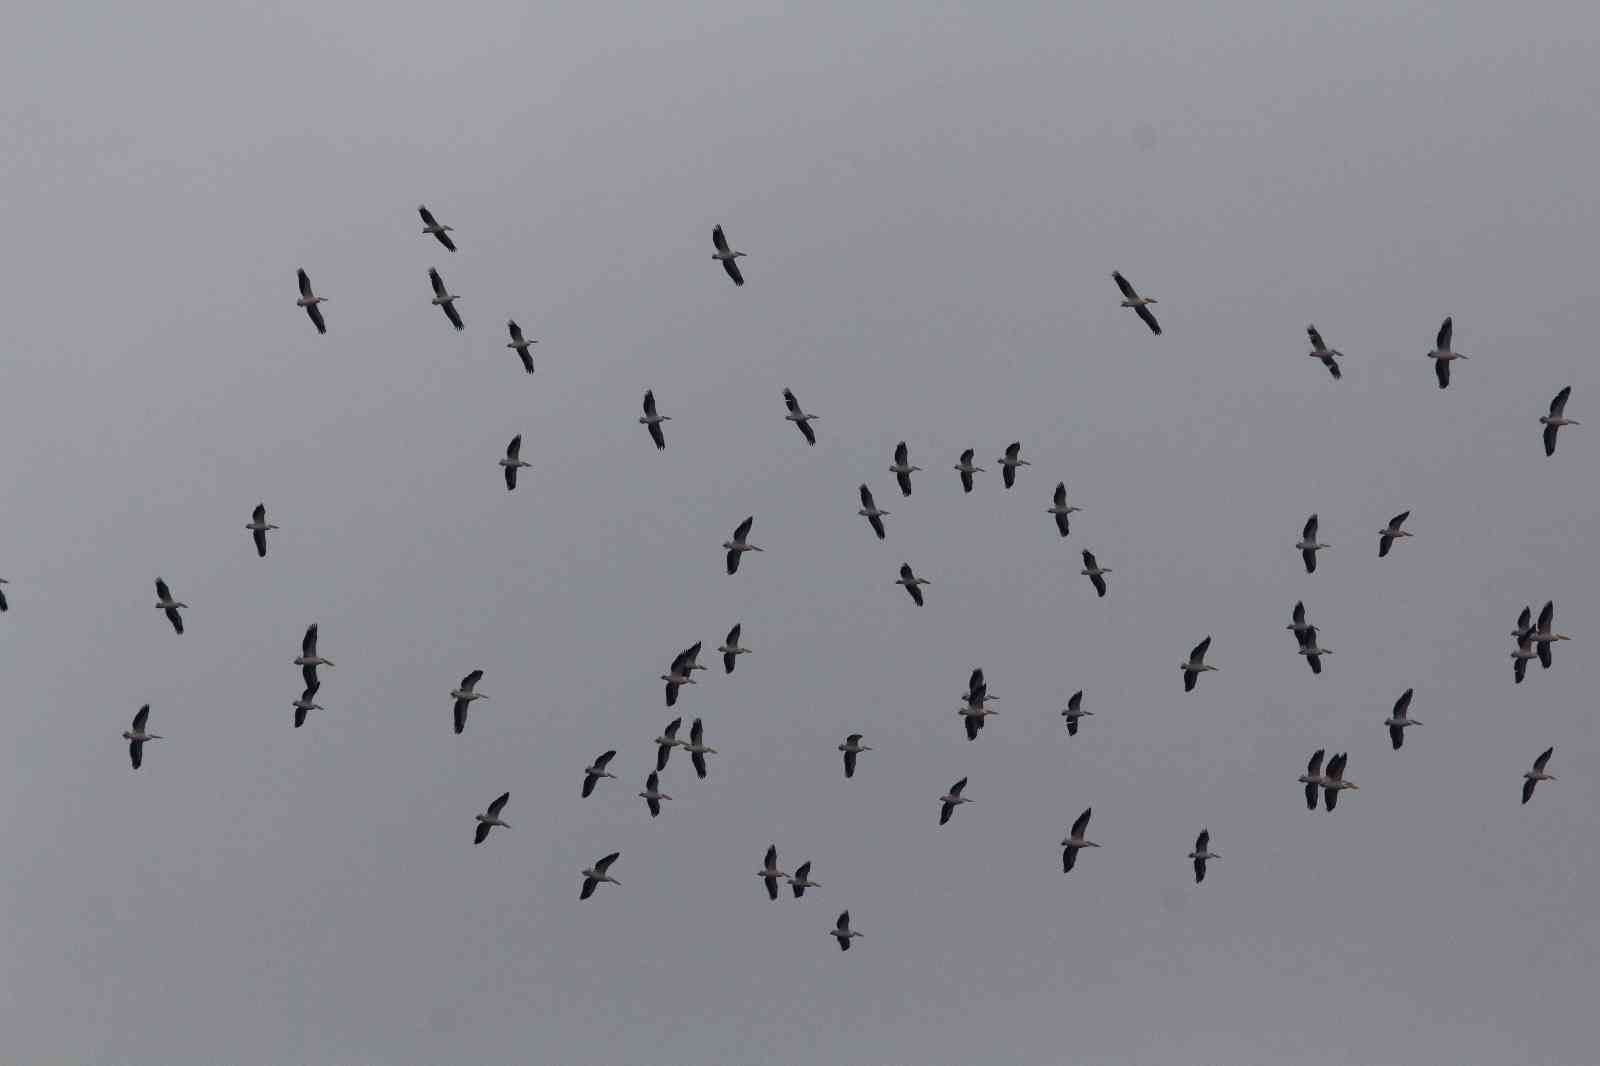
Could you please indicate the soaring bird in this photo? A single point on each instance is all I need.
(513, 461)
(165, 602)
(444, 299)
(596, 771)
(726, 255)
(652, 794)
(902, 468)
(1531, 778)
(951, 800)
(1076, 841)
(308, 660)
(1094, 572)
(1309, 546)
(309, 300)
(677, 675)
(1010, 461)
(697, 749)
(1313, 779)
(739, 544)
(137, 736)
(1202, 853)
(852, 747)
(1312, 651)
(1323, 352)
(1387, 535)
(800, 880)
(913, 584)
(429, 225)
(652, 421)
(798, 416)
(731, 650)
(520, 344)
(491, 818)
(1196, 664)
(770, 872)
(666, 742)
(1543, 636)
(464, 694)
(258, 526)
(842, 931)
(599, 874)
(1442, 356)
(1061, 509)
(1556, 419)
(1333, 781)
(967, 469)
(871, 512)
(305, 704)
(1074, 712)
(1398, 719)
(1140, 304)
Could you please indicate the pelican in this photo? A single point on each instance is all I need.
(433, 227)
(1313, 779)
(513, 461)
(677, 674)
(1196, 665)
(951, 800)
(1298, 624)
(1140, 304)
(1519, 658)
(1556, 419)
(1543, 637)
(1202, 853)
(1309, 546)
(1010, 461)
(652, 794)
(975, 710)
(594, 773)
(842, 931)
(731, 650)
(801, 879)
(727, 255)
(491, 818)
(4, 606)
(801, 420)
(652, 421)
(1333, 781)
(1531, 778)
(305, 704)
(598, 874)
(165, 602)
(1074, 712)
(258, 526)
(1387, 535)
(1095, 572)
(308, 660)
(1312, 651)
(520, 344)
(871, 512)
(739, 545)
(902, 468)
(137, 736)
(464, 694)
(770, 873)
(912, 583)
(1323, 352)
(666, 742)
(1442, 355)
(309, 300)
(1398, 719)
(1061, 509)
(444, 299)
(697, 749)
(1075, 841)
(852, 747)
(967, 469)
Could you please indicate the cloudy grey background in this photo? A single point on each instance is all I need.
(932, 198)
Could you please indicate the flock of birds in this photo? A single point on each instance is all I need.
(1534, 638)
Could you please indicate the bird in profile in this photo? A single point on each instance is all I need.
(652, 421)
(951, 800)
(1312, 651)
(677, 675)
(308, 660)
(513, 462)
(599, 874)
(1388, 534)
(1094, 572)
(871, 512)
(595, 771)
(666, 742)
(652, 794)
(165, 602)
(1309, 545)
(1076, 841)
(430, 225)
(464, 694)
(967, 469)
(726, 255)
(520, 344)
(258, 526)
(137, 736)
(1140, 304)
(1202, 843)
(1062, 509)
(1323, 352)
(798, 416)
(852, 747)
(1196, 664)
(1556, 419)
(1399, 719)
(444, 300)
(800, 880)
(740, 544)
(1010, 461)
(1544, 636)
(770, 872)
(1531, 778)
(1074, 712)
(697, 749)
(309, 300)
(1442, 356)
(306, 704)
(730, 649)
(913, 584)
(902, 468)
(491, 818)
(1313, 778)
(842, 931)
(1333, 781)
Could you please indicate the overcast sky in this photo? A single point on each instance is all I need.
(932, 199)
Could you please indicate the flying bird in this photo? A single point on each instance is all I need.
(871, 512)
(1074, 712)
(652, 794)
(1399, 719)
(1333, 781)
(309, 300)
(491, 818)
(137, 736)
(595, 772)
(951, 800)
(975, 710)
(165, 602)
(1556, 419)
(1313, 779)
(1309, 545)
(520, 344)
(902, 468)
(842, 931)
(697, 749)
(800, 880)
(967, 469)
(305, 704)
(852, 747)
(1312, 651)
(444, 299)
(739, 544)
(726, 255)
(666, 742)
(770, 872)
(1387, 535)
(598, 874)
(464, 694)
(1201, 853)
(677, 675)
(1076, 841)
(1298, 624)
(429, 225)
(1061, 508)
(1531, 778)
(731, 650)
(1323, 352)
(308, 660)
(258, 526)
(1010, 461)
(1543, 637)
(1442, 356)
(513, 461)
(1196, 664)
(913, 584)
(1525, 627)
(1140, 304)
(652, 421)
(1095, 572)
(801, 420)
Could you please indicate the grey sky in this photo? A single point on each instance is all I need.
(932, 199)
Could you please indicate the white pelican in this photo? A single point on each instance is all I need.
(1398, 720)
(595, 772)
(871, 512)
(731, 650)
(697, 749)
(652, 421)
(739, 545)
(1010, 461)
(433, 227)
(1309, 545)
(1323, 352)
(1333, 781)
(652, 794)
(1196, 664)
(912, 583)
(1298, 624)
(165, 602)
(1201, 853)
(726, 255)
(1313, 653)
(1556, 419)
(678, 674)
(1140, 304)
(4, 606)
(1061, 508)
(1531, 778)
(309, 300)
(801, 420)
(598, 874)
(137, 736)
(513, 461)
(1074, 712)
(967, 469)
(305, 704)
(852, 747)
(1442, 356)
(800, 880)
(1095, 572)
(520, 344)
(1543, 637)
(666, 742)
(464, 694)
(444, 299)
(770, 873)
(1519, 658)
(491, 818)
(1387, 535)
(308, 660)
(1313, 779)
(1075, 841)
(842, 931)
(902, 468)
(951, 800)
(258, 526)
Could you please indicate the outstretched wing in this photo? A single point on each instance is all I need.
(1316, 339)
(720, 241)
(1123, 284)
(1446, 328)
(1441, 368)
(1149, 317)
(499, 805)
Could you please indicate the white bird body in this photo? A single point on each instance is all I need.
(491, 819)
(725, 255)
(1076, 841)
(1556, 419)
(966, 469)
(1531, 778)
(1442, 355)
(740, 544)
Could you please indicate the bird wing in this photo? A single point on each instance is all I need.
(259, 515)
(733, 562)
(944, 812)
(1550, 439)
(1309, 533)
(1149, 317)
(1441, 368)
(1124, 285)
(1200, 649)
(482, 833)
(1397, 736)
(973, 724)
(966, 479)
(876, 522)
(1539, 763)
(1189, 678)
(1063, 524)
(791, 402)
(515, 330)
(162, 592)
(453, 315)
(1299, 615)
(866, 499)
(657, 436)
(514, 449)
(1525, 621)
(697, 732)
(849, 763)
(1316, 339)
(308, 643)
(468, 682)
(437, 282)
(959, 787)
(499, 805)
(975, 680)
(1385, 542)
(1099, 584)
(176, 619)
(807, 432)
(742, 530)
(1199, 870)
(604, 759)
(1203, 840)
(698, 758)
(650, 402)
(604, 865)
(1013, 450)
(719, 240)
(1309, 557)
(305, 283)
(1559, 404)
(427, 216)
(733, 634)
(903, 479)
(1403, 704)
(140, 718)
(803, 871)
(1311, 796)
(1082, 823)
(771, 861)
(1547, 615)
(588, 888)
(461, 716)
(316, 318)
(1333, 367)
(1060, 496)
(732, 267)
(843, 924)
(901, 453)
(1314, 767)
(1527, 786)
(1069, 859)
(1075, 701)
(916, 595)
(1399, 520)
(1088, 560)
(1445, 330)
